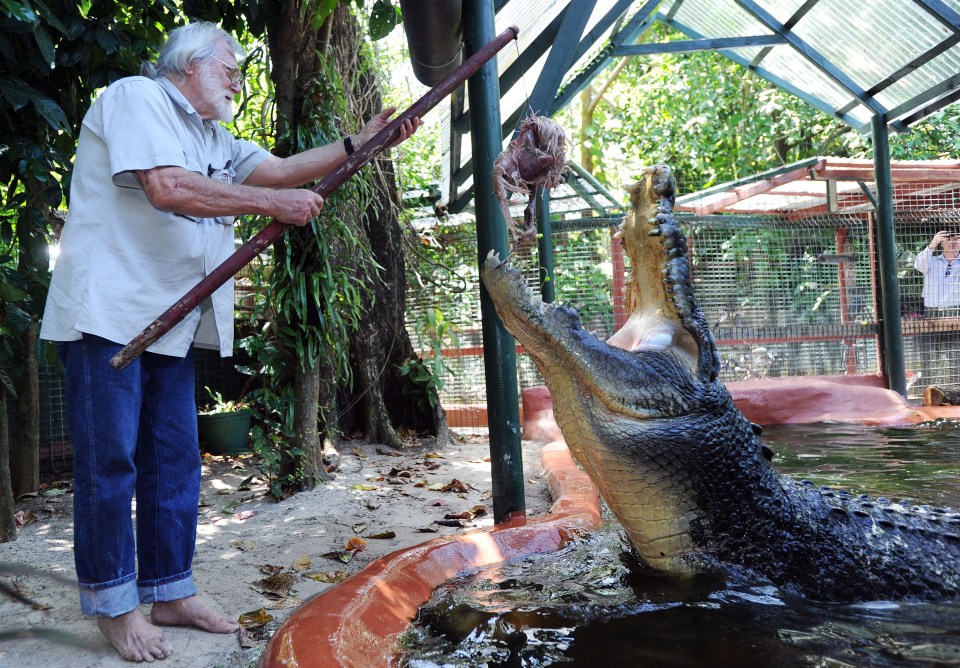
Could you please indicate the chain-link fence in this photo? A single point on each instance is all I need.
(785, 295)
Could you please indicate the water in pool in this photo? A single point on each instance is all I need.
(592, 604)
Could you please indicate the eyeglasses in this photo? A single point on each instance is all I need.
(233, 73)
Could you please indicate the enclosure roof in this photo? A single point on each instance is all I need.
(895, 60)
(828, 185)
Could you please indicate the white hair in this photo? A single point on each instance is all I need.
(188, 43)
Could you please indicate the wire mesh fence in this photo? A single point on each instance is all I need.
(792, 294)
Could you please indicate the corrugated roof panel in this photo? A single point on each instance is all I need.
(787, 64)
(877, 40)
(936, 71)
(717, 18)
(782, 10)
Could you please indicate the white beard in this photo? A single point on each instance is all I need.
(214, 95)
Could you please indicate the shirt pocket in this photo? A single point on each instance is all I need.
(224, 174)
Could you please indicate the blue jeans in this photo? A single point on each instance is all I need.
(134, 432)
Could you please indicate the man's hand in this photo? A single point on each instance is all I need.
(938, 239)
(296, 206)
(382, 120)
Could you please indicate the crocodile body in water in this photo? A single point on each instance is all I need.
(684, 471)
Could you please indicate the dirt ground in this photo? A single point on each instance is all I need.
(257, 559)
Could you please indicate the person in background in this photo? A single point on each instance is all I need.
(941, 299)
(156, 183)
(941, 273)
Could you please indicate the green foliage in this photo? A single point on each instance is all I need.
(423, 378)
(53, 56)
(313, 293)
(383, 18)
(218, 404)
(584, 272)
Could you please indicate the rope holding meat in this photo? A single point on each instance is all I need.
(536, 157)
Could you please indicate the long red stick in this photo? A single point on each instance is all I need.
(173, 315)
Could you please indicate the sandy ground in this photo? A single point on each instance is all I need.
(258, 559)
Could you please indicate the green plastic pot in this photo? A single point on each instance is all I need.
(224, 433)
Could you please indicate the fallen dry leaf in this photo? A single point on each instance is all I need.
(277, 585)
(243, 545)
(359, 528)
(246, 639)
(329, 577)
(455, 486)
(301, 564)
(270, 569)
(449, 523)
(364, 488)
(255, 618)
(433, 528)
(244, 515)
(383, 535)
(23, 518)
(340, 555)
(356, 544)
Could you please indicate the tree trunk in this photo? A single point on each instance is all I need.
(8, 525)
(25, 451)
(586, 119)
(375, 404)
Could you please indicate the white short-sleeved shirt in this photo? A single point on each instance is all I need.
(940, 289)
(123, 262)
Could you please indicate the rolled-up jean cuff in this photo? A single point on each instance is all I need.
(111, 599)
(168, 589)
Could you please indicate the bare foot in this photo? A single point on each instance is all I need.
(134, 637)
(192, 611)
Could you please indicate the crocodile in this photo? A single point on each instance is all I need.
(684, 471)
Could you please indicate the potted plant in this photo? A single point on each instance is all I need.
(224, 426)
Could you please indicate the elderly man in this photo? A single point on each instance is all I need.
(156, 183)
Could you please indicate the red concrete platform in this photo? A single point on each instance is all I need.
(860, 399)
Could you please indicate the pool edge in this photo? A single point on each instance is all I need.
(357, 622)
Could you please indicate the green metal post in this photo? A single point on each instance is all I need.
(499, 356)
(887, 251)
(545, 246)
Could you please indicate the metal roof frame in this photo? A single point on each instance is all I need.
(910, 72)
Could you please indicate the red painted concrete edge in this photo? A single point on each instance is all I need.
(357, 623)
